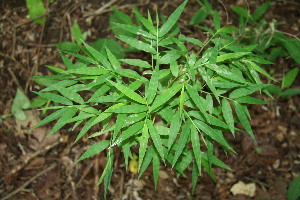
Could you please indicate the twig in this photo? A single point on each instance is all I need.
(28, 158)
(289, 34)
(22, 187)
(100, 10)
(85, 173)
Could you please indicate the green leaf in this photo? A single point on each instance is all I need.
(130, 74)
(209, 83)
(152, 88)
(289, 77)
(109, 171)
(54, 97)
(38, 102)
(20, 102)
(132, 130)
(143, 145)
(170, 57)
(242, 12)
(227, 114)
(135, 30)
(171, 21)
(191, 40)
(156, 166)
(128, 92)
(174, 129)
(66, 61)
(293, 192)
(112, 59)
(195, 172)
(216, 19)
(181, 100)
(137, 44)
(260, 11)
(50, 118)
(196, 99)
(228, 56)
(77, 34)
(136, 62)
(250, 100)
(68, 112)
(94, 149)
(290, 92)
(262, 71)
(133, 108)
(147, 160)
(114, 46)
(196, 147)
(88, 71)
(36, 8)
(121, 18)
(243, 119)
(199, 16)
(165, 96)
(156, 139)
(174, 68)
(58, 85)
(99, 57)
(244, 91)
(148, 24)
(68, 46)
(213, 134)
(182, 141)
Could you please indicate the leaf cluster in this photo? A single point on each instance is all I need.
(176, 108)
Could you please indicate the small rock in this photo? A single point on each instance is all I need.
(242, 188)
(163, 174)
(276, 164)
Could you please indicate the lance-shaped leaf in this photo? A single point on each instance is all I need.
(112, 58)
(134, 108)
(128, 92)
(156, 139)
(60, 84)
(250, 100)
(137, 44)
(68, 112)
(145, 22)
(196, 147)
(243, 119)
(156, 165)
(130, 74)
(98, 56)
(88, 71)
(228, 56)
(54, 97)
(182, 141)
(132, 130)
(51, 118)
(199, 101)
(195, 173)
(72, 95)
(214, 134)
(152, 88)
(165, 96)
(227, 114)
(137, 62)
(171, 21)
(94, 149)
(147, 160)
(209, 83)
(135, 30)
(108, 174)
(143, 144)
(261, 70)
(174, 129)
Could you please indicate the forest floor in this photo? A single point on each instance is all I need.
(33, 166)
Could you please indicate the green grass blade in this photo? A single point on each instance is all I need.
(56, 98)
(196, 147)
(152, 88)
(143, 145)
(136, 62)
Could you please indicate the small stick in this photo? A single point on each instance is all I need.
(22, 187)
(100, 10)
(28, 158)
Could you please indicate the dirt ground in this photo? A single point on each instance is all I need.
(33, 166)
